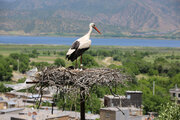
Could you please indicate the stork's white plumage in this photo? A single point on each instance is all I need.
(80, 45)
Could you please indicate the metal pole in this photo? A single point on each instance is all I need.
(52, 108)
(18, 65)
(82, 103)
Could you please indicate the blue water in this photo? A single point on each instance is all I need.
(95, 41)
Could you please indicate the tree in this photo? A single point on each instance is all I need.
(12, 62)
(54, 52)
(175, 69)
(152, 103)
(14, 56)
(175, 80)
(5, 70)
(24, 63)
(88, 61)
(161, 65)
(49, 53)
(152, 72)
(34, 53)
(22, 80)
(169, 111)
(59, 62)
(3, 89)
(40, 65)
(132, 68)
(93, 104)
(117, 58)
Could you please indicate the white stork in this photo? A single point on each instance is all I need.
(81, 45)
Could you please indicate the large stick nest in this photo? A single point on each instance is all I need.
(71, 80)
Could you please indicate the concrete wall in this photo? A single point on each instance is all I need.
(107, 115)
(121, 116)
(61, 118)
(132, 99)
(135, 99)
(114, 115)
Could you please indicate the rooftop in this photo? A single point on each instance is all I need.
(133, 91)
(174, 90)
(10, 110)
(29, 95)
(115, 97)
(9, 102)
(119, 108)
(44, 114)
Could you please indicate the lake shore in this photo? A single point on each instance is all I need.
(117, 36)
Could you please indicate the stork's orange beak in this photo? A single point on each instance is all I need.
(96, 29)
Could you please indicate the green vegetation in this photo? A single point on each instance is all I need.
(59, 62)
(88, 61)
(39, 65)
(19, 61)
(144, 64)
(22, 80)
(69, 102)
(169, 111)
(5, 70)
(3, 89)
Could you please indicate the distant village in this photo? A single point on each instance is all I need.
(20, 105)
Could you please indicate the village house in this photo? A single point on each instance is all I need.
(122, 107)
(175, 94)
(132, 98)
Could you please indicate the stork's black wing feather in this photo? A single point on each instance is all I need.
(75, 45)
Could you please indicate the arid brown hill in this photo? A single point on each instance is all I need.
(70, 16)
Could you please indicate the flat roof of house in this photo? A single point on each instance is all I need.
(133, 91)
(46, 113)
(10, 102)
(114, 108)
(115, 97)
(3, 101)
(121, 108)
(174, 90)
(10, 110)
(29, 95)
(59, 116)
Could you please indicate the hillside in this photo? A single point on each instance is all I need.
(70, 17)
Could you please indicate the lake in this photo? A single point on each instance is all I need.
(95, 41)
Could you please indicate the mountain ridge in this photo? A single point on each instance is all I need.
(116, 17)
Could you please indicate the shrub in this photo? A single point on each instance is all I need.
(59, 62)
(170, 111)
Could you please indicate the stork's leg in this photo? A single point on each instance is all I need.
(76, 66)
(81, 62)
(81, 59)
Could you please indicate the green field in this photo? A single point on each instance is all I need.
(5, 50)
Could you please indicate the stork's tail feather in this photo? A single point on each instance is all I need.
(67, 57)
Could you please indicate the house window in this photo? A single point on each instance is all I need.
(179, 95)
(174, 94)
(128, 96)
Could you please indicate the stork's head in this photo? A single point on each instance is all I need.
(92, 25)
